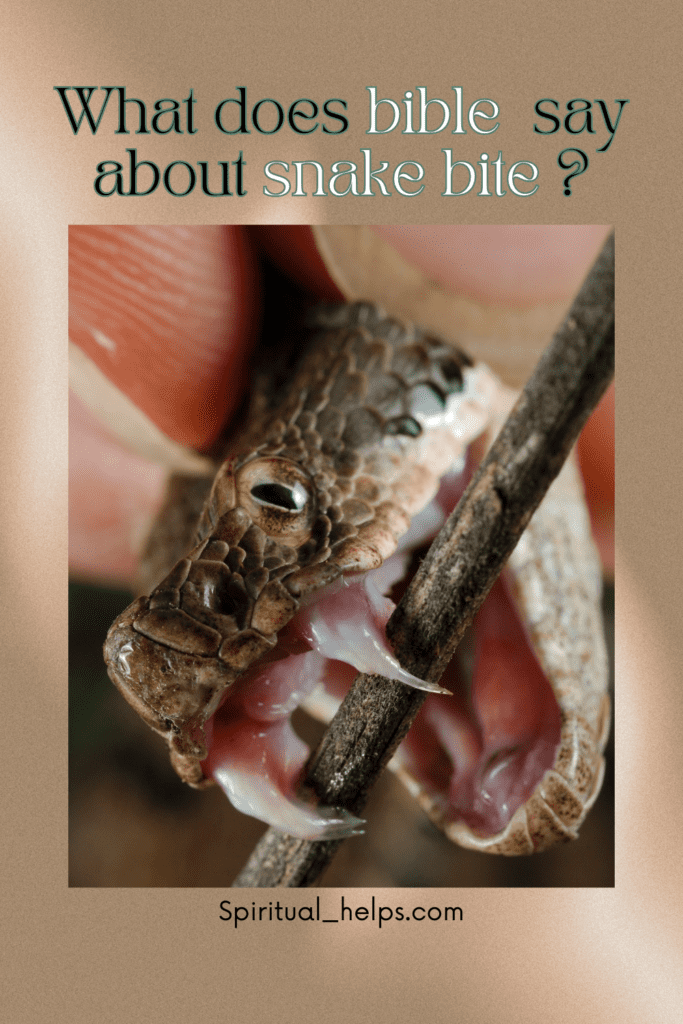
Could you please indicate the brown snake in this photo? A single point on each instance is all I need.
(324, 486)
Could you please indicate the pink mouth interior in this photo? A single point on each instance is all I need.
(481, 753)
(477, 754)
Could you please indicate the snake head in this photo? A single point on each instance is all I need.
(173, 654)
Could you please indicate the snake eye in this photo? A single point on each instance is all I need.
(279, 497)
(293, 499)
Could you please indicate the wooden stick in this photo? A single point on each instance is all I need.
(463, 563)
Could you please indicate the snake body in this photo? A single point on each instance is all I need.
(321, 485)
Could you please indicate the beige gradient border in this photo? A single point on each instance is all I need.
(520, 955)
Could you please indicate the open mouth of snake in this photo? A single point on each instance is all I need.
(474, 754)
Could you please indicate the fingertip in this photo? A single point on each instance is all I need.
(169, 315)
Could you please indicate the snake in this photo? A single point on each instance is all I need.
(327, 489)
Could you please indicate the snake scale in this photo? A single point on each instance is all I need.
(322, 486)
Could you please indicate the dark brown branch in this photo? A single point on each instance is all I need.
(463, 562)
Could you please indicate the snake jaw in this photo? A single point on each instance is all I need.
(257, 760)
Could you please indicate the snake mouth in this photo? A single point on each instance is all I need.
(473, 757)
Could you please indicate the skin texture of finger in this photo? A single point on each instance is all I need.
(169, 315)
(113, 495)
(516, 266)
